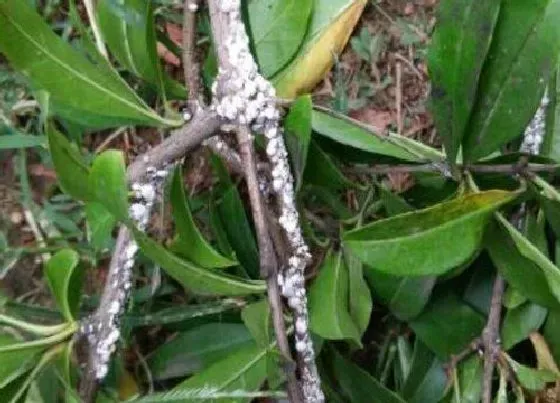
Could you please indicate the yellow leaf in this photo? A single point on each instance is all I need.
(317, 55)
(128, 388)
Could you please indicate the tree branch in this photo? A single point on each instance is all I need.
(191, 66)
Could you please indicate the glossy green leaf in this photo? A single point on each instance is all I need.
(328, 301)
(529, 251)
(523, 54)
(404, 245)
(330, 27)
(107, 180)
(521, 272)
(196, 279)
(552, 210)
(71, 171)
(520, 322)
(447, 326)
(350, 132)
(297, 126)
(65, 281)
(457, 53)
(278, 28)
(197, 349)
(242, 370)
(238, 230)
(100, 225)
(358, 384)
(20, 140)
(191, 243)
(128, 28)
(360, 303)
(530, 378)
(93, 95)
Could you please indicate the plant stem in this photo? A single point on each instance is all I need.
(69, 330)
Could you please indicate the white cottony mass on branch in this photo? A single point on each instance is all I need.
(535, 131)
(102, 329)
(243, 97)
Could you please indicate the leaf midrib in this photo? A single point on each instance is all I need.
(66, 67)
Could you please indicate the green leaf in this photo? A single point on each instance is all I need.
(328, 301)
(469, 387)
(457, 53)
(352, 133)
(278, 28)
(179, 313)
(358, 384)
(551, 143)
(15, 363)
(238, 230)
(196, 279)
(529, 378)
(244, 369)
(100, 225)
(406, 297)
(79, 90)
(529, 251)
(330, 27)
(256, 317)
(191, 244)
(520, 272)
(447, 326)
(321, 170)
(197, 349)
(65, 281)
(71, 171)
(20, 140)
(404, 245)
(523, 54)
(128, 28)
(551, 333)
(520, 322)
(360, 303)
(426, 380)
(108, 182)
(297, 127)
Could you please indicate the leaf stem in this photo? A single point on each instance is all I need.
(548, 190)
(70, 329)
(40, 330)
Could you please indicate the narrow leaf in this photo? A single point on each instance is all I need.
(107, 180)
(457, 53)
(521, 59)
(79, 90)
(328, 301)
(191, 244)
(65, 281)
(298, 135)
(196, 278)
(349, 132)
(520, 322)
(359, 385)
(20, 140)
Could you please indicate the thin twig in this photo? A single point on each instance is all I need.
(191, 66)
(398, 98)
(491, 338)
(267, 255)
(172, 148)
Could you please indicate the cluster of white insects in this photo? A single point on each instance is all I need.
(243, 97)
(102, 331)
